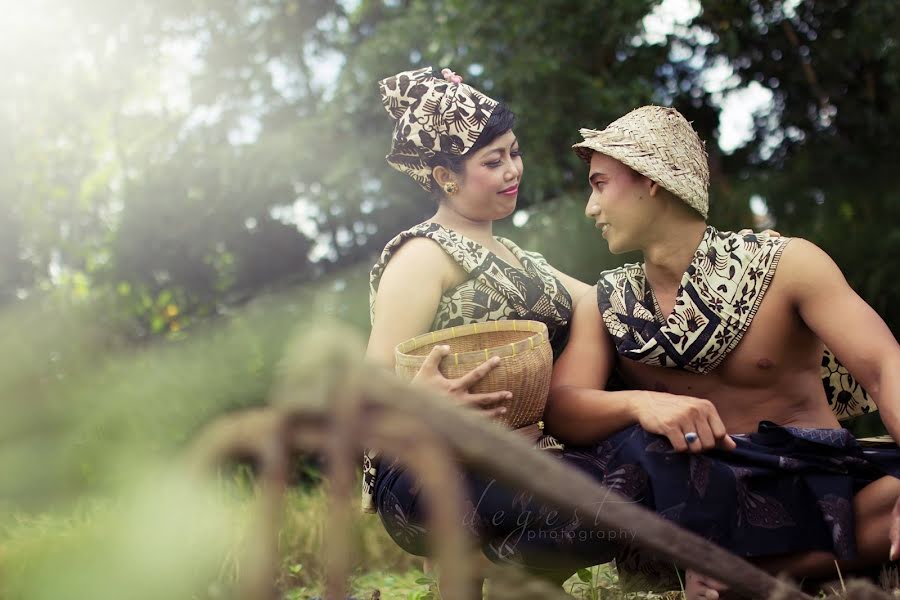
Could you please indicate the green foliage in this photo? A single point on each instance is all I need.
(80, 400)
(128, 167)
(824, 157)
(210, 158)
(162, 522)
(149, 190)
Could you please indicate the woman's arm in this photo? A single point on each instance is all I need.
(576, 288)
(408, 297)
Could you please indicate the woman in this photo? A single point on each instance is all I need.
(459, 145)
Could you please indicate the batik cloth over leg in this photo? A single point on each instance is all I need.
(783, 490)
(510, 526)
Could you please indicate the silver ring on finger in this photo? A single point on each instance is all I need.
(691, 436)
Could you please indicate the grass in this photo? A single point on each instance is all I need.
(168, 537)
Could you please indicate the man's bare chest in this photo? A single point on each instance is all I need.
(777, 345)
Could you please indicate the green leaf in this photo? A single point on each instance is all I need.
(165, 297)
(585, 575)
(157, 324)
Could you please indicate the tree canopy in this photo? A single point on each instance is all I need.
(170, 159)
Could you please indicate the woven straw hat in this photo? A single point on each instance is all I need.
(659, 143)
(525, 366)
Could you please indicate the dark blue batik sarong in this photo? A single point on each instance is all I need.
(783, 490)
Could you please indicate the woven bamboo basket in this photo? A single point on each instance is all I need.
(525, 366)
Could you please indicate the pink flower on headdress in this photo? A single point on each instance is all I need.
(450, 76)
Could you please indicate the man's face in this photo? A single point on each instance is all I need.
(620, 203)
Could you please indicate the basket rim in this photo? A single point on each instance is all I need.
(538, 329)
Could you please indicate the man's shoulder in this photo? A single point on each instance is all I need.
(803, 248)
(806, 263)
(801, 254)
(751, 241)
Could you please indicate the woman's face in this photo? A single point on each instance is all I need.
(489, 185)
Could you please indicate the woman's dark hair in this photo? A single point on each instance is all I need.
(502, 120)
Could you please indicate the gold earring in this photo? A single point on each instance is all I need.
(451, 188)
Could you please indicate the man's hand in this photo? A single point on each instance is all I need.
(429, 375)
(675, 416)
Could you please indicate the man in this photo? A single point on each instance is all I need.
(718, 339)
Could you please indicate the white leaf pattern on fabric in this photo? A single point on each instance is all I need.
(838, 511)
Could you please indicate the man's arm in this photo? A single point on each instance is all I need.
(859, 338)
(581, 412)
(578, 411)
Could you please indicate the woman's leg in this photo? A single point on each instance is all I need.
(510, 526)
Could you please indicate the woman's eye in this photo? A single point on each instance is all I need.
(493, 164)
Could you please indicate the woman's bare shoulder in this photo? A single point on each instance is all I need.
(417, 259)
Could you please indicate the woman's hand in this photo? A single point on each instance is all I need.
(768, 232)
(676, 416)
(450, 76)
(430, 376)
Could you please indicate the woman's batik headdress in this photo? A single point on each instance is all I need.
(432, 115)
